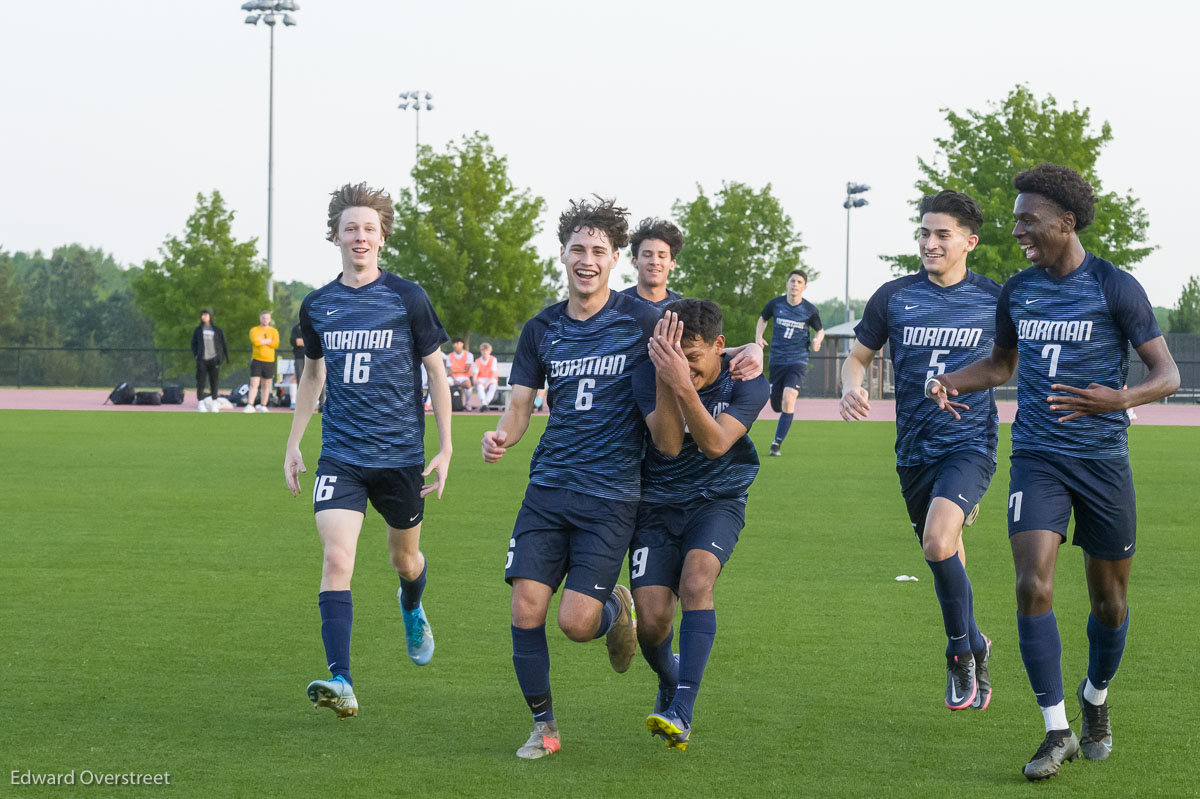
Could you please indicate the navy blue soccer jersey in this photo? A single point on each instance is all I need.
(372, 339)
(789, 336)
(595, 435)
(690, 475)
(1073, 330)
(933, 330)
(671, 297)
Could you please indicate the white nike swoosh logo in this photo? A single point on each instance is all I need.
(556, 341)
(964, 499)
(1031, 302)
(910, 307)
(331, 665)
(954, 697)
(1128, 547)
(330, 313)
(714, 543)
(413, 519)
(539, 704)
(600, 588)
(958, 637)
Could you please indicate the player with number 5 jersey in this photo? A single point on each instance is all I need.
(1066, 324)
(366, 334)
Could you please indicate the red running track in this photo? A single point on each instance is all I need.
(71, 399)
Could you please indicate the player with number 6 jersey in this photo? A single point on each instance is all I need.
(1066, 324)
(366, 334)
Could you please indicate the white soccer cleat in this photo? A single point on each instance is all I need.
(248, 409)
(202, 406)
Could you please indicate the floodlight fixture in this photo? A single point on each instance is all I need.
(850, 202)
(856, 188)
(413, 98)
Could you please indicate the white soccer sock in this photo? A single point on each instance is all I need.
(1056, 717)
(1094, 695)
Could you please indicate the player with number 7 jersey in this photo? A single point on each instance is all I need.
(366, 333)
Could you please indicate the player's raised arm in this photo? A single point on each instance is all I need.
(760, 327)
(856, 403)
(746, 361)
(439, 397)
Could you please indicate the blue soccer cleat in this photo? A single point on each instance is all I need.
(417, 634)
(668, 725)
(335, 694)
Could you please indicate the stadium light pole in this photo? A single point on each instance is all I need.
(270, 12)
(852, 189)
(414, 99)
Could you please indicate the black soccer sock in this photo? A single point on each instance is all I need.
(608, 613)
(697, 631)
(410, 592)
(531, 659)
(954, 595)
(337, 617)
(1105, 647)
(1041, 650)
(781, 429)
(662, 660)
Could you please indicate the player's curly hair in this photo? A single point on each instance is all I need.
(961, 206)
(603, 215)
(701, 318)
(361, 196)
(662, 229)
(1063, 186)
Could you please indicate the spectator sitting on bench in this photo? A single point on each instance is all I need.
(458, 366)
(483, 370)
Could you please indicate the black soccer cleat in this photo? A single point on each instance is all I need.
(961, 686)
(1095, 733)
(1059, 746)
(983, 680)
(774, 453)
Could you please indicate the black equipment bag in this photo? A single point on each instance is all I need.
(240, 396)
(172, 394)
(122, 394)
(458, 400)
(147, 398)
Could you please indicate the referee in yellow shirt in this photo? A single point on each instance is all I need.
(265, 340)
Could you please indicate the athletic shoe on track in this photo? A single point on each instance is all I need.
(335, 694)
(418, 636)
(983, 680)
(542, 741)
(669, 726)
(622, 636)
(961, 685)
(1059, 746)
(1095, 733)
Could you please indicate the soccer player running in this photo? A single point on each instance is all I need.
(1066, 325)
(654, 247)
(793, 316)
(578, 515)
(943, 317)
(368, 331)
(695, 478)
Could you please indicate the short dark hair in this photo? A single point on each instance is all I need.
(662, 229)
(701, 318)
(603, 215)
(799, 272)
(204, 311)
(361, 196)
(1063, 186)
(961, 206)
(457, 340)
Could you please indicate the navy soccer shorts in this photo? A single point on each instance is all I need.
(785, 375)
(394, 492)
(666, 533)
(1044, 488)
(560, 533)
(961, 477)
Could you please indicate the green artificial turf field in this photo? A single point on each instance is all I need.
(158, 589)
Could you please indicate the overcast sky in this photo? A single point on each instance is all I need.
(116, 114)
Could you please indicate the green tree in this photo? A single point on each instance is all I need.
(984, 152)
(465, 237)
(1185, 318)
(10, 300)
(207, 268)
(739, 246)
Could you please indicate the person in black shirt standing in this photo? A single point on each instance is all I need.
(208, 348)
